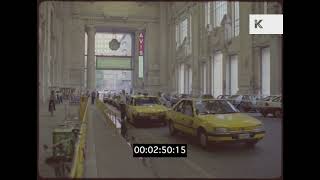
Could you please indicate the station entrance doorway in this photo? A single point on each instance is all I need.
(113, 61)
(113, 81)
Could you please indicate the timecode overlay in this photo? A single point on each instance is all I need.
(159, 150)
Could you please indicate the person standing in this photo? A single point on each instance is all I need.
(57, 97)
(123, 102)
(52, 106)
(60, 97)
(93, 96)
(97, 94)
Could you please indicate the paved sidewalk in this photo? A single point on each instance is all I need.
(108, 154)
(45, 128)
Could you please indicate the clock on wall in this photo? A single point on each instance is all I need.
(114, 44)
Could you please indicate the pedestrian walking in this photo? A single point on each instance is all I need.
(60, 97)
(123, 102)
(57, 97)
(52, 106)
(93, 96)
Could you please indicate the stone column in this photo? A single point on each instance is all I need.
(245, 56)
(195, 51)
(136, 82)
(46, 51)
(91, 81)
(171, 54)
(275, 64)
(163, 47)
(275, 54)
(41, 54)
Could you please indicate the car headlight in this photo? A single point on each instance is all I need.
(221, 130)
(259, 128)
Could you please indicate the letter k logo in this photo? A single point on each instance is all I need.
(257, 23)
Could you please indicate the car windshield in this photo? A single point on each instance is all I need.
(268, 98)
(166, 97)
(277, 99)
(215, 107)
(146, 101)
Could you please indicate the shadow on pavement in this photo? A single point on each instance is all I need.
(225, 148)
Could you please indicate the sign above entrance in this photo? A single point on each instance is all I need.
(141, 44)
(113, 63)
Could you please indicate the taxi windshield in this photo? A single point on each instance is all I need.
(215, 107)
(268, 98)
(146, 101)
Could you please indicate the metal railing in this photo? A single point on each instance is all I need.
(111, 115)
(79, 156)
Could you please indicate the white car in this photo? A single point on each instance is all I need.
(244, 103)
(270, 105)
(165, 100)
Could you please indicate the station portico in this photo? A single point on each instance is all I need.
(193, 48)
(181, 46)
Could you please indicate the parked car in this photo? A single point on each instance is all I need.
(145, 109)
(216, 121)
(270, 104)
(116, 101)
(165, 100)
(206, 96)
(105, 98)
(223, 96)
(176, 97)
(244, 103)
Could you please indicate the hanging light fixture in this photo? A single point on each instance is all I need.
(114, 44)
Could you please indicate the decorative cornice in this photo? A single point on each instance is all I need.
(119, 19)
(90, 28)
(188, 8)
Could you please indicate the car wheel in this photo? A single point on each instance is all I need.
(251, 143)
(172, 130)
(203, 139)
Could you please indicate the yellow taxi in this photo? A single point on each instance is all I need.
(143, 109)
(214, 120)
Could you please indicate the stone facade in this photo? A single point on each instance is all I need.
(248, 48)
(62, 27)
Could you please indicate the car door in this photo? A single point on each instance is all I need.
(177, 115)
(187, 117)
